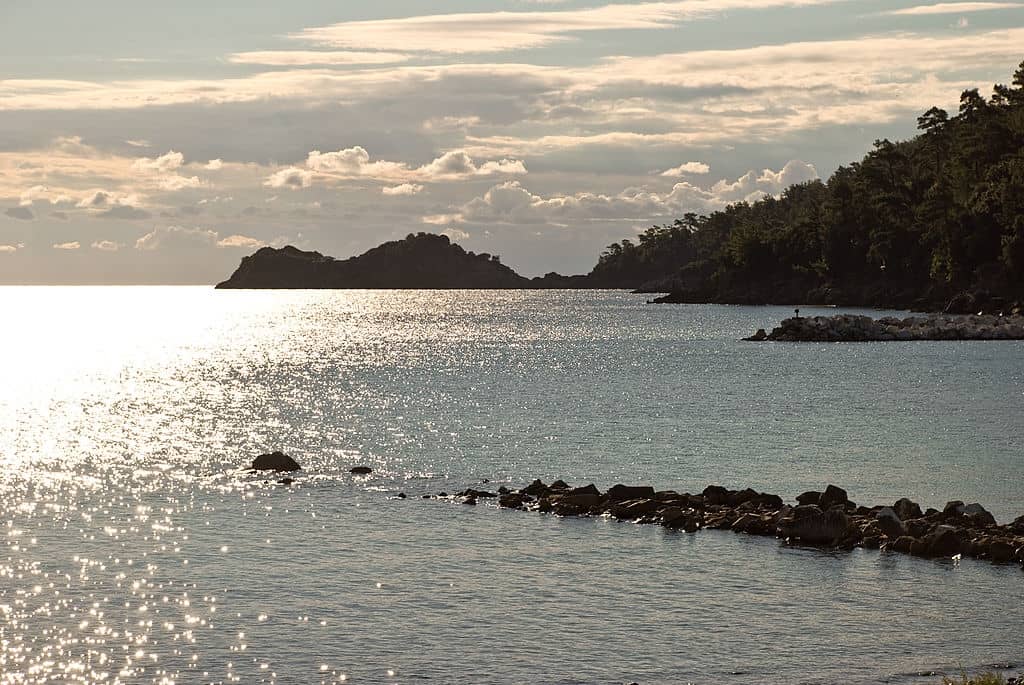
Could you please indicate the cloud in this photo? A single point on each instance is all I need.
(175, 182)
(489, 32)
(176, 237)
(511, 203)
(298, 58)
(97, 198)
(9, 249)
(352, 162)
(455, 234)
(126, 212)
(138, 143)
(458, 164)
(952, 8)
(162, 164)
(290, 177)
(241, 241)
(106, 246)
(20, 213)
(67, 246)
(214, 165)
(403, 189)
(687, 168)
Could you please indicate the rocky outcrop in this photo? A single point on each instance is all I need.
(851, 328)
(820, 518)
(275, 461)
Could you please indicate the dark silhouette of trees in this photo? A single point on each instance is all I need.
(914, 222)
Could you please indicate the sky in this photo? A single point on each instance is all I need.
(155, 142)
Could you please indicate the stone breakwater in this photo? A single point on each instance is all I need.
(850, 328)
(826, 519)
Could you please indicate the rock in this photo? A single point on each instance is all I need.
(360, 470)
(634, 509)
(758, 337)
(275, 461)
(678, 519)
(811, 525)
(715, 494)
(581, 501)
(735, 499)
(906, 509)
(621, 493)
(503, 490)
(809, 497)
(481, 494)
(511, 500)
(766, 501)
(977, 515)
(469, 500)
(944, 541)
(953, 508)
(1001, 552)
(401, 495)
(536, 488)
(889, 523)
(585, 490)
(903, 544)
(754, 524)
(832, 496)
(918, 527)
(286, 481)
(559, 485)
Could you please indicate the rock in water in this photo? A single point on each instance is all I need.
(275, 461)
(360, 470)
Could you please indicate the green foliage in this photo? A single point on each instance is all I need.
(914, 221)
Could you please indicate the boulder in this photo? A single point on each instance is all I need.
(977, 515)
(536, 488)
(907, 509)
(621, 493)
(811, 525)
(585, 490)
(1001, 552)
(715, 494)
(634, 509)
(512, 500)
(754, 524)
(904, 543)
(944, 541)
(581, 501)
(678, 519)
(889, 523)
(360, 470)
(809, 497)
(832, 496)
(918, 527)
(559, 485)
(275, 461)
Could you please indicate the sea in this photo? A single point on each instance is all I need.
(138, 549)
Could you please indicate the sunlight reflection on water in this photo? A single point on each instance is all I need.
(138, 550)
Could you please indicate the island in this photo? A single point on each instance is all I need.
(420, 261)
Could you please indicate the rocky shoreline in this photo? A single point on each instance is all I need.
(851, 328)
(821, 519)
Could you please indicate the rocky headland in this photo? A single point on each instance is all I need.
(824, 519)
(420, 261)
(851, 328)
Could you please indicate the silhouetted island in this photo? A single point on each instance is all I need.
(420, 261)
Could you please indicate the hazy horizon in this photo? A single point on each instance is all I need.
(159, 145)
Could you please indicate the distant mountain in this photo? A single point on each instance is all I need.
(420, 261)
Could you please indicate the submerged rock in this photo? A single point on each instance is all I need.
(274, 461)
(360, 470)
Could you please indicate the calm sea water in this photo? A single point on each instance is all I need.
(137, 551)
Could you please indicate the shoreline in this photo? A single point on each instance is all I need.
(856, 328)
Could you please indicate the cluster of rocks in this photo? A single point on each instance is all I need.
(279, 462)
(826, 518)
(851, 328)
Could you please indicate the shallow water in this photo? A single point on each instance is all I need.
(138, 552)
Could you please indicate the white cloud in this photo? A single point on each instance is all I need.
(952, 8)
(686, 169)
(67, 246)
(458, 164)
(489, 32)
(455, 234)
(106, 246)
(9, 249)
(175, 182)
(298, 58)
(290, 177)
(162, 164)
(177, 237)
(214, 165)
(403, 189)
(241, 241)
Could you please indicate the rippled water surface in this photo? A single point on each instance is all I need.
(138, 551)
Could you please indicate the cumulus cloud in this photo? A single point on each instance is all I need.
(20, 213)
(9, 249)
(162, 164)
(510, 202)
(291, 177)
(455, 234)
(175, 182)
(458, 164)
(67, 246)
(164, 237)
(688, 168)
(96, 198)
(106, 246)
(403, 189)
(214, 165)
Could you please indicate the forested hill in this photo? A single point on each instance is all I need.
(915, 223)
